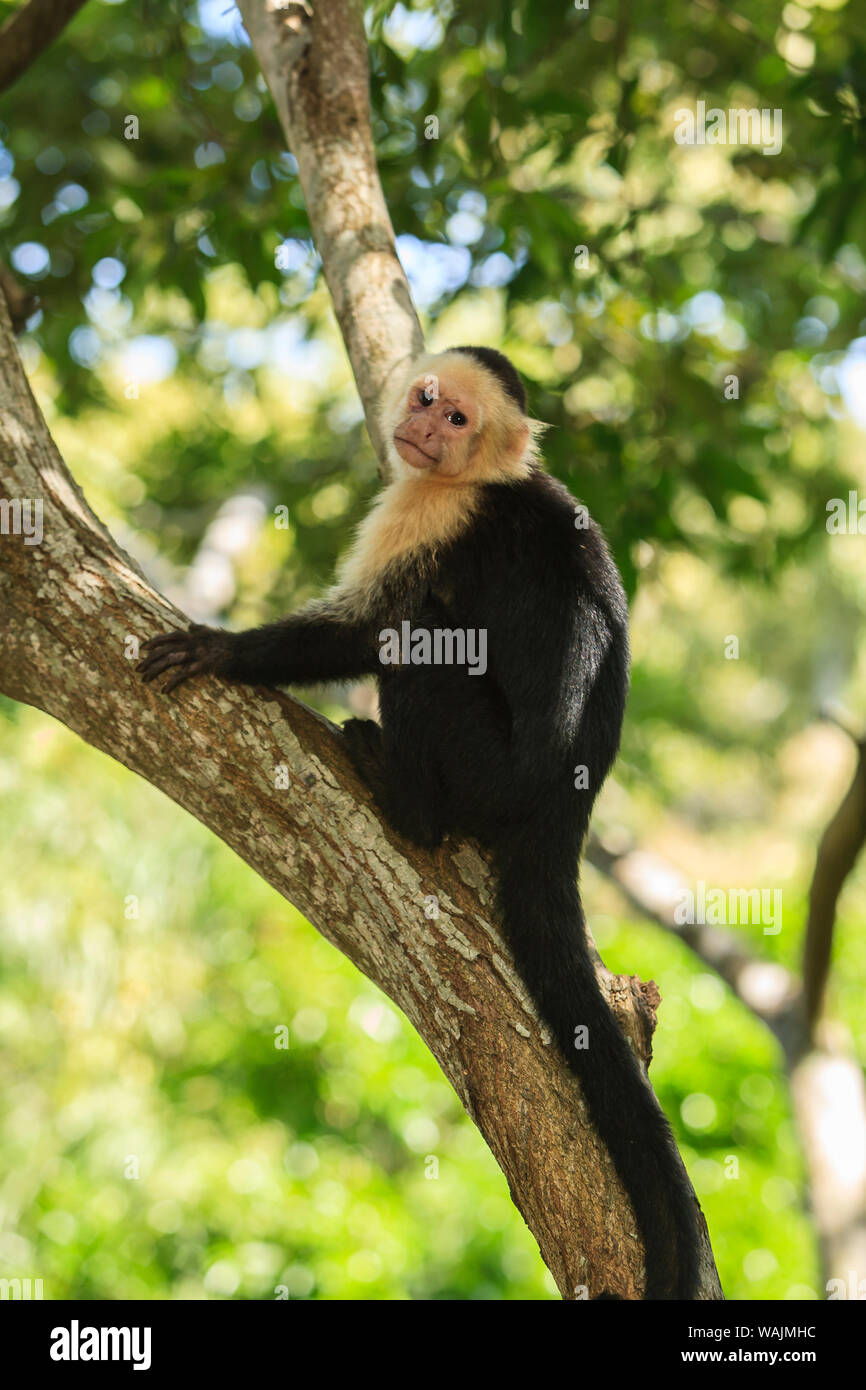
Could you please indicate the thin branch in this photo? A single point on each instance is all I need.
(655, 888)
(837, 854)
(28, 31)
(20, 302)
(317, 68)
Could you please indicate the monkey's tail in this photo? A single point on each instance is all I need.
(543, 919)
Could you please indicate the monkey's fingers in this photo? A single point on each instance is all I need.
(156, 662)
(174, 638)
(163, 640)
(195, 669)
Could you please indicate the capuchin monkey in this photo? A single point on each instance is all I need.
(472, 536)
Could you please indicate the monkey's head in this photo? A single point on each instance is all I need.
(461, 416)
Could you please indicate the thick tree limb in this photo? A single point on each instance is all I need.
(28, 31)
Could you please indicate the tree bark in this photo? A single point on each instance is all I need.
(837, 854)
(72, 609)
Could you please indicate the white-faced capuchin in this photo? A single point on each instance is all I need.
(472, 536)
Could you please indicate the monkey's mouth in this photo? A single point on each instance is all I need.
(431, 461)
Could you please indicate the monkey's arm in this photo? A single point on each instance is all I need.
(560, 665)
(317, 644)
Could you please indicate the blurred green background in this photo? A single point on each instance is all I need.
(155, 1142)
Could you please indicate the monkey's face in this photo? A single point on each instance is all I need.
(453, 422)
(437, 427)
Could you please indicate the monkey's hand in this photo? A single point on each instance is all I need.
(183, 654)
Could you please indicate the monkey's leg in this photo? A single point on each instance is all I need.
(399, 760)
(414, 811)
(363, 740)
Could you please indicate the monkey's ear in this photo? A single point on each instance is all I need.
(536, 430)
(518, 442)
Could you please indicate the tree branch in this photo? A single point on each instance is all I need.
(28, 31)
(317, 68)
(20, 302)
(837, 854)
(655, 888)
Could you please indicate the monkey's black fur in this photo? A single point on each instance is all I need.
(497, 757)
(504, 371)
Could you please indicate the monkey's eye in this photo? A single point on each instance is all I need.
(457, 418)
(424, 398)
